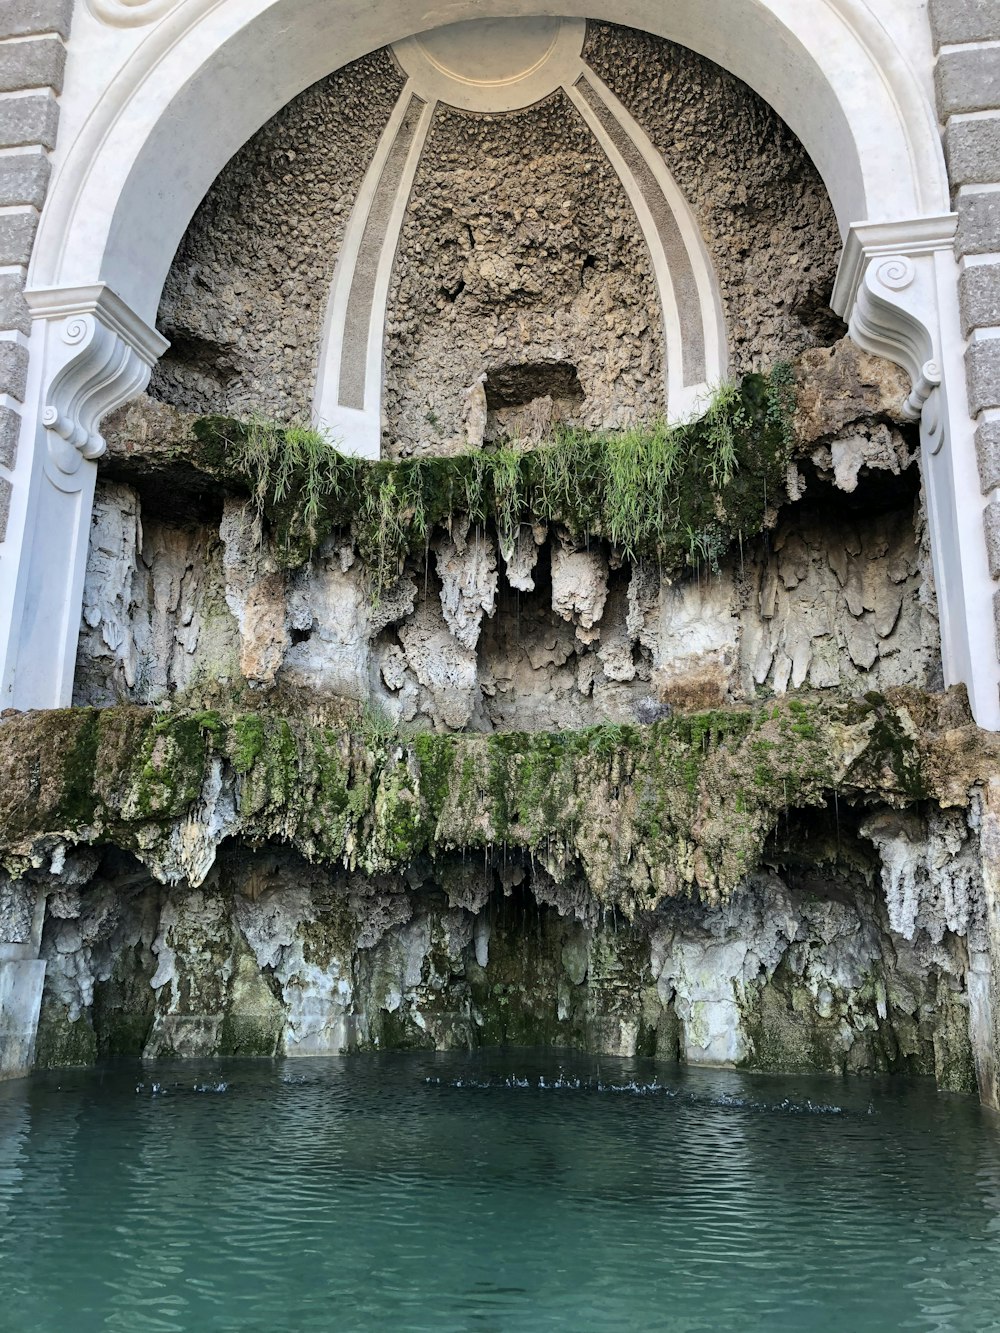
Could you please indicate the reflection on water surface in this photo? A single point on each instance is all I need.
(496, 1193)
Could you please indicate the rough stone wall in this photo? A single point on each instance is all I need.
(546, 634)
(33, 36)
(244, 302)
(968, 91)
(828, 602)
(520, 245)
(763, 210)
(858, 968)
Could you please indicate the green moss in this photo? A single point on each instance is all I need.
(684, 806)
(78, 801)
(680, 494)
(61, 1040)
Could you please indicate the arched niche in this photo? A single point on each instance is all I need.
(144, 146)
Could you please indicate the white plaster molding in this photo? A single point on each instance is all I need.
(686, 391)
(130, 13)
(175, 105)
(356, 426)
(492, 64)
(102, 357)
(886, 289)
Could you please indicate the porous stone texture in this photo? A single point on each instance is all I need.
(836, 598)
(155, 616)
(244, 302)
(820, 971)
(520, 257)
(520, 248)
(762, 208)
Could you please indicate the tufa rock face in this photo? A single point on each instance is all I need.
(520, 260)
(275, 956)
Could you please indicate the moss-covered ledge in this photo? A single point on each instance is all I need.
(685, 806)
(680, 493)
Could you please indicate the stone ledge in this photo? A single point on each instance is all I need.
(700, 794)
(25, 18)
(32, 64)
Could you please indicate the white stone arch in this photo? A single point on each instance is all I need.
(142, 148)
(160, 93)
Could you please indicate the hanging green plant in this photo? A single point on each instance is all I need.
(678, 493)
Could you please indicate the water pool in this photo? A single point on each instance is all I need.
(492, 1193)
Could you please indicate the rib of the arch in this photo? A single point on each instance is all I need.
(349, 381)
(132, 170)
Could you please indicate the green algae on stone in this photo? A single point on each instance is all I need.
(681, 807)
(680, 493)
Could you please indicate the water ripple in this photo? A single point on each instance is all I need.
(503, 1191)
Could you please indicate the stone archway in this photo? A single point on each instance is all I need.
(160, 95)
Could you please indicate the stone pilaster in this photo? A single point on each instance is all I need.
(967, 74)
(32, 55)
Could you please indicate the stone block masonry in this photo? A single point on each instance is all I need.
(32, 57)
(967, 39)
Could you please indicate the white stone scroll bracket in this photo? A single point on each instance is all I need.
(89, 354)
(99, 355)
(897, 289)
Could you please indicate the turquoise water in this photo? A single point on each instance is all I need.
(491, 1194)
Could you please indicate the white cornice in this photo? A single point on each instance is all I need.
(871, 240)
(98, 299)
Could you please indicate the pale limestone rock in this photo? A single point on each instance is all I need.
(579, 584)
(931, 875)
(315, 982)
(445, 668)
(877, 446)
(696, 648)
(18, 904)
(392, 666)
(474, 413)
(468, 574)
(194, 952)
(195, 839)
(112, 562)
(255, 593)
(333, 657)
(83, 939)
(840, 385)
(394, 604)
(521, 555)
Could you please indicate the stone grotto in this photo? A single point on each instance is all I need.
(500, 529)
